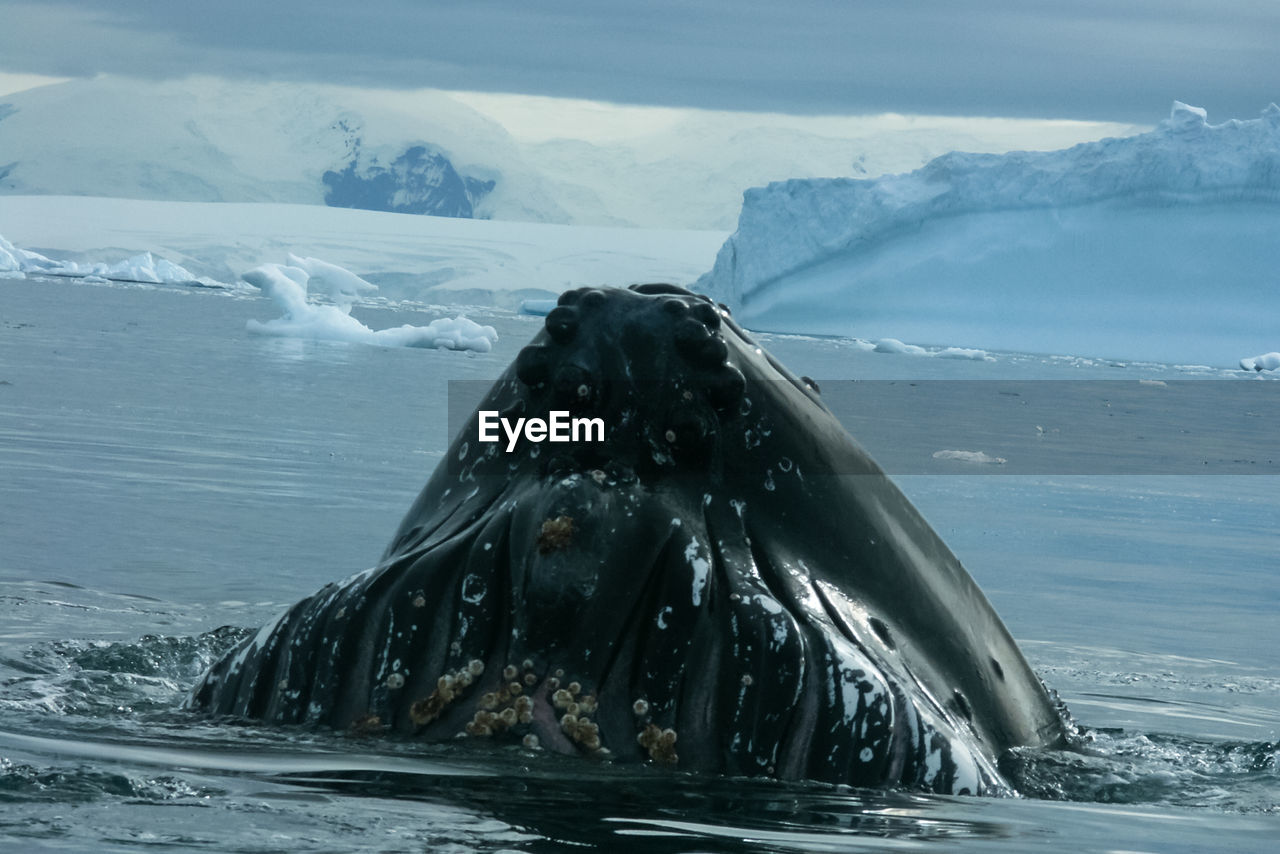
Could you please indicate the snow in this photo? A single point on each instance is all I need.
(287, 285)
(216, 140)
(690, 168)
(1158, 246)
(219, 140)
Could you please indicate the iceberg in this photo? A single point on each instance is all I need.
(1163, 246)
(144, 268)
(1265, 362)
(15, 263)
(288, 285)
(537, 307)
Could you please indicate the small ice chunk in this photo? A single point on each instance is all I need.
(893, 345)
(965, 353)
(537, 307)
(1265, 362)
(975, 457)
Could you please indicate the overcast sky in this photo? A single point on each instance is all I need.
(1123, 60)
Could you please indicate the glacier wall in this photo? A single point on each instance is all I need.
(1163, 246)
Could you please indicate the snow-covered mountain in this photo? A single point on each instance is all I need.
(207, 139)
(210, 139)
(418, 181)
(692, 172)
(1178, 228)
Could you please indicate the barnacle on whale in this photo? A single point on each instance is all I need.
(555, 534)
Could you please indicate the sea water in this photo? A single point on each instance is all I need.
(169, 481)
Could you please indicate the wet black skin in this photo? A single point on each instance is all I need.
(727, 584)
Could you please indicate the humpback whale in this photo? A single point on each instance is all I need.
(723, 582)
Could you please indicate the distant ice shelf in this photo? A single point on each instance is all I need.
(424, 259)
(1162, 246)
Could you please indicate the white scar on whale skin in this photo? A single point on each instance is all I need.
(260, 639)
(701, 568)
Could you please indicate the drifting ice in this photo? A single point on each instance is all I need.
(288, 285)
(1265, 362)
(18, 263)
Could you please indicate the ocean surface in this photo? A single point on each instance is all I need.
(169, 481)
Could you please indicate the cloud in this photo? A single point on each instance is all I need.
(1092, 59)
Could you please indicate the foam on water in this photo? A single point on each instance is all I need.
(118, 743)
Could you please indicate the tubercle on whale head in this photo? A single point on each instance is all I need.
(651, 362)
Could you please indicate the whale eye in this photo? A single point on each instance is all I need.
(584, 391)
